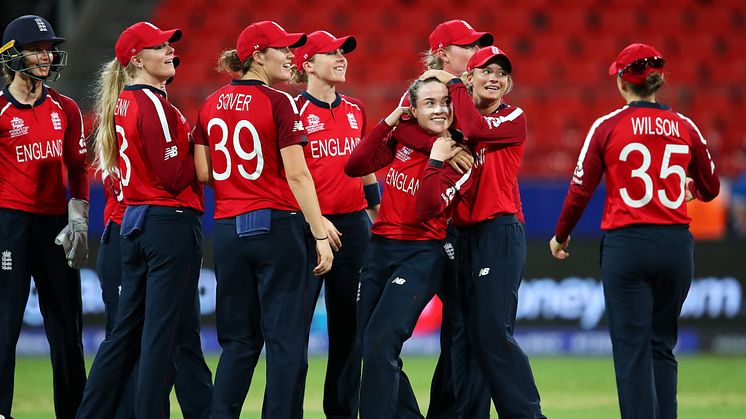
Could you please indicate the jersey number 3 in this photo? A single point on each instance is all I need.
(666, 169)
(239, 151)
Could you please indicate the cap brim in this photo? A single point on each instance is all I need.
(613, 69)
(503, 60)
(172, 35)
(347, 43)
(291, 40)
(483, 39)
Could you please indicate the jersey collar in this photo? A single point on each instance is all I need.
(250, 82)
(17, 104)
(321, 103)
(643, 104)
(145, 86)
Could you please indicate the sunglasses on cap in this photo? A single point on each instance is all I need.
(639, 66)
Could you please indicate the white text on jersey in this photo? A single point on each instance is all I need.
(40, 150)
(663, 126)
(235, 101)
(331, 147)
(121, 108)
(402, 182)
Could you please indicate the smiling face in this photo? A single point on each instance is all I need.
(38, 56)
(276, 64)
(490, 83)
(432, 107)
(330, 67)
(156, 62)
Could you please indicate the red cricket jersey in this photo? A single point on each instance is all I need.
(156, 165)
(41, 146)
(333, 130)
(498, 142)
(114, 208)
(646, 152)
(397, 216)
(245, 124)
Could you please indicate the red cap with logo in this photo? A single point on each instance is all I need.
(484, 55)
(458, 32)
(139, 36)
(264, 34)
(636, 61)
(321, 42)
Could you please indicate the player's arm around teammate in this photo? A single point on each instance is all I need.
(250, 143)
(654, 160)
(41, 139)
(146, 139)
(402, 269)
(492, 247)
(334, 124)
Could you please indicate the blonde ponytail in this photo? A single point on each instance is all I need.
(111, 80)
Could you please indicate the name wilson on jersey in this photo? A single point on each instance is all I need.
(40, 150)
(331, 147)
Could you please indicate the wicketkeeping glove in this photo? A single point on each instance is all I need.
(74, 237)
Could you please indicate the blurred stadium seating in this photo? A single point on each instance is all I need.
(561, 50)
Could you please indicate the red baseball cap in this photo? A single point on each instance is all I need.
(139, 36)
(458, 32)
(266, 33)
(484, 55)
(321, 42)
(637, 52)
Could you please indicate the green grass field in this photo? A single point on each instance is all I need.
(571, 388)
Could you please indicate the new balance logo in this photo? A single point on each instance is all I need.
(171, 152)
(484, 272)
(399, 281)
(6, 262)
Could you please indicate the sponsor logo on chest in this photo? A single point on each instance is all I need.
(313, 124)
(17, 127)
(56, 121)
(351, 119)
(404, 154)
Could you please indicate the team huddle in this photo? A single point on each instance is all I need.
(298, 206)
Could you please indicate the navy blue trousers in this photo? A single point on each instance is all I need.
(342, 382)
(160, 271)
(398, 279)
(457, 389)
(263, 300)
(27, 249)
(193, 384)
(647, 271)
(492, 255)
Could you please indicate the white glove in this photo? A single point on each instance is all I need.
(74, 237)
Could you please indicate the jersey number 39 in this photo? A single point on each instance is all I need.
(239, 151)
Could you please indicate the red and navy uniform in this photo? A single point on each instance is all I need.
(334, 130)
(492, 250)
(42, 151)
(646, 151)
(402, 270)
(261, 291)
(109, 268)
(154, 143)
(248, 173)
(161, 255)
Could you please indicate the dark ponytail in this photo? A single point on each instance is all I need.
(653, 82)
